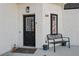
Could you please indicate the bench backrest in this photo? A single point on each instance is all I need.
(52, 36)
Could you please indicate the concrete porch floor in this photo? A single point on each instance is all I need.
(60, 51)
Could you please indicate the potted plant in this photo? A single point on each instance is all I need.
(14, 48)
(45, 46)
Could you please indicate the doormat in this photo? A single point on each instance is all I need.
(26, 50)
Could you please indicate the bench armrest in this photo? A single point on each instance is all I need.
(67, 38)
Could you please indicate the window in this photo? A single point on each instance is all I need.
(54, 24)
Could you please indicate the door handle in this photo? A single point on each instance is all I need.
(19, 31)
(35, 22)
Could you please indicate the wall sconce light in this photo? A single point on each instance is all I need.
(27, 9)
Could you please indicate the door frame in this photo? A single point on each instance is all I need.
(24, 15)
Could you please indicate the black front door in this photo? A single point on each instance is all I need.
(29, 30)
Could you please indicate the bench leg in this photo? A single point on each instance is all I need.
(54, 47)
(69, 44)
(48, 44)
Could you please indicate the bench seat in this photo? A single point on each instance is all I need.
(56, 42)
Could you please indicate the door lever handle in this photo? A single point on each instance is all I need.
(35, 22)
(19, 31)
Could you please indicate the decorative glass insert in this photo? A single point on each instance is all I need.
(29, 23)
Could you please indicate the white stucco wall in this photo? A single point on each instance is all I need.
(8, 27)
(71, 25)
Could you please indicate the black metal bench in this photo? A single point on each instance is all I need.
(57, 36)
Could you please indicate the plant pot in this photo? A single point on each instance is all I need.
(14, 49)
(45, 47)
